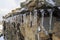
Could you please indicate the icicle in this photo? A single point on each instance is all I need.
(35, 15)
(35, 19)
(18, 18)
(42, 21)
(35, 12)
(50, 22)
(21, 18)
(30, 16)
(24, 18)
(30, 19)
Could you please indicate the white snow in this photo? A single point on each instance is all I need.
(51, 2)
(1, 38)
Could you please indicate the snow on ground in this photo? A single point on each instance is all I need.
(1, 38)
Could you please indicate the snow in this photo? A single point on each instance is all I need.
(51, 2)
(1, 38)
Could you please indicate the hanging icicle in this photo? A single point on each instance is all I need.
(17, 18)
(50, 22)
(21, 17)
(42, 21)
(30, 19)
(35, 15)
(24, 18)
